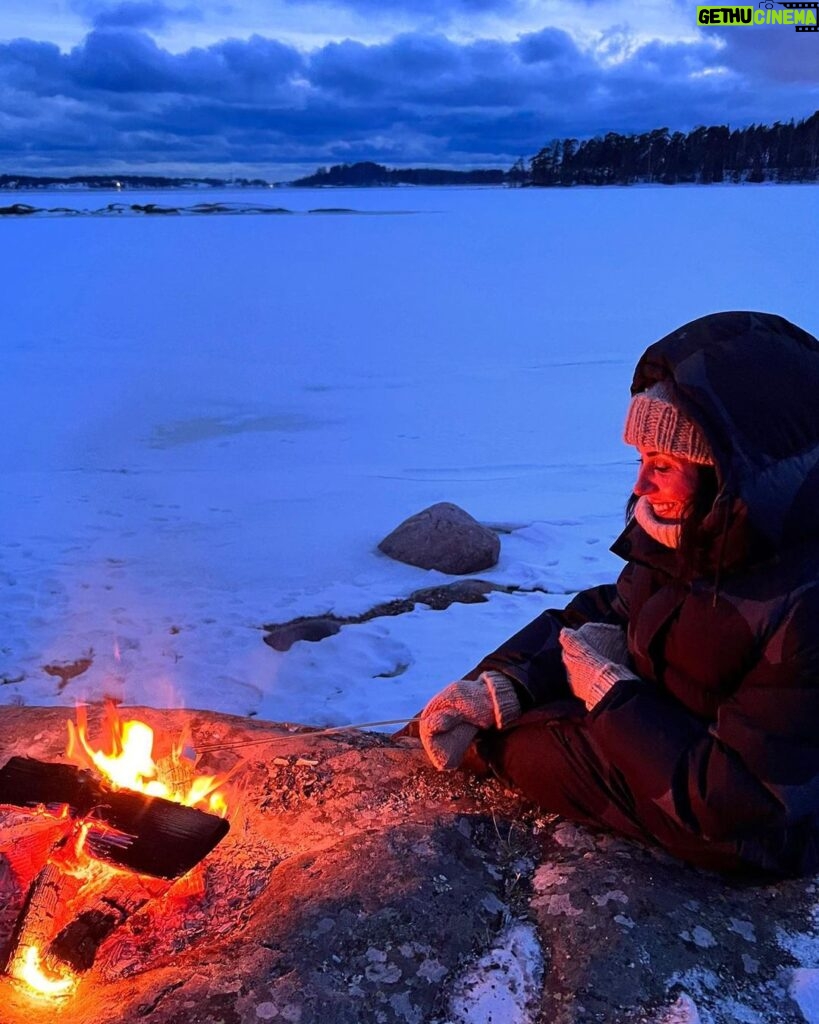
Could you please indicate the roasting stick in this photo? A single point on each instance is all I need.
(305, 735)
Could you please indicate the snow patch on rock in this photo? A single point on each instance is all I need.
(804, 990)
(683, 1011)
(504, 985)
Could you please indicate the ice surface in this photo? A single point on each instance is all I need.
(210, 423)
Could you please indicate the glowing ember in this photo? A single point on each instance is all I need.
(130, 764)
(28, 968)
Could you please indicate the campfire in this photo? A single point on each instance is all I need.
(92, 841)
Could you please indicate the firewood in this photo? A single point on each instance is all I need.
(74, 904)
(12, 898)
(27, 839)
(150, 835)
(102, 913)
(163, 838)
(42, 912)
(25, 782)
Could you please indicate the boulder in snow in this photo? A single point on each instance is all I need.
(443, 537)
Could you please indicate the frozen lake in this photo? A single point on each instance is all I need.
(212, 421)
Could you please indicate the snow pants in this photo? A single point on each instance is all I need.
(548, 757)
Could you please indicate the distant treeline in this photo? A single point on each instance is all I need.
(366, 173)
(781, 152)
(114, 181)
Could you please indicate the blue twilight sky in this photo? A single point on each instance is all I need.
(277, 87)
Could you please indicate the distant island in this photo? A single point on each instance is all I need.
(368, 174)
(118, 182)
(782, 153)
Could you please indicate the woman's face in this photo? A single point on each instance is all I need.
(667, 483)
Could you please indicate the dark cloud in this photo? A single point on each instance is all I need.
(438, 9)
(352, 70)
(132, 64)
(547, 46)
(126, 62)
(119, 99)
(774, 53)
(432, 71)
(136, 14)
(30, 68)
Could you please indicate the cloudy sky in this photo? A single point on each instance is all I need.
(276, 88)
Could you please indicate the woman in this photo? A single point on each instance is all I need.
(680, 706)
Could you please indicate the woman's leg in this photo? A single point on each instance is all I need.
(548, 757)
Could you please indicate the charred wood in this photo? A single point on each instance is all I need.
(51, 891)
(151, 835)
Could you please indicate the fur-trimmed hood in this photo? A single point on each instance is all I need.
(751, 382)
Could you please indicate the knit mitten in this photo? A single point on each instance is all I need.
(594, 657)
(452, 719)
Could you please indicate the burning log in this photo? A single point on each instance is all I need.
(107, 901)
(77, 943)
(28, 840)
(36, 921)
(149, 835)
(107, 853)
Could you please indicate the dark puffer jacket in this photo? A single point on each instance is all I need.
(721, 730)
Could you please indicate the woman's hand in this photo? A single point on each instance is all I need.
(594, 657)
(452, 719)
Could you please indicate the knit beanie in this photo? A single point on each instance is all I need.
(654, 423)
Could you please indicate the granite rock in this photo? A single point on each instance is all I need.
(443, 537)
(359, 884)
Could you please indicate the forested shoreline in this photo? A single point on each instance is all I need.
(779, 153)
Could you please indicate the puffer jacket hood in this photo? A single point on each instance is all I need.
(750, 381)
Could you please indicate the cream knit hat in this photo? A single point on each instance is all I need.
(656, 424)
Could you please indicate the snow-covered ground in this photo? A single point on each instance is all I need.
(210, 422)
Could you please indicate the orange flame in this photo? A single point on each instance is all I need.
(127, 760)
(27, 967)
(130, 763)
